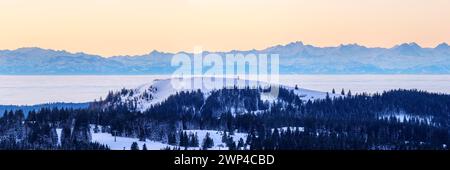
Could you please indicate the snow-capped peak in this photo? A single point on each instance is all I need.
(296, 43)
(354, 45)
(410, 46)
(442, 46)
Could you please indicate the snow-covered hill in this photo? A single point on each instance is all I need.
(143, 97)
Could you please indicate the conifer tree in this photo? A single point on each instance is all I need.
(240, 143)
(144, 147)
(208, 142)
(134, 146)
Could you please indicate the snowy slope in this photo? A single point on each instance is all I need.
(293, 129)
(217, 138)
(58, 133)
(124, 143)
(160, 89)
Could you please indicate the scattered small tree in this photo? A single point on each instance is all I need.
(144, 147)
(208, 142)
(134, 146)
(240, 143)
(194, 140)
(224, 137)
(172, 139)
(232, 145)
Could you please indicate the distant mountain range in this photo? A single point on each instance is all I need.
(295, 58)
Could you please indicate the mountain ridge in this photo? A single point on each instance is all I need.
(295, 58)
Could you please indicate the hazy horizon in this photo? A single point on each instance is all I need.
(206, 50)
(32, 90)
(115, 27)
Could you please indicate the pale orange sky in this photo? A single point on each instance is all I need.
(128, 27)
